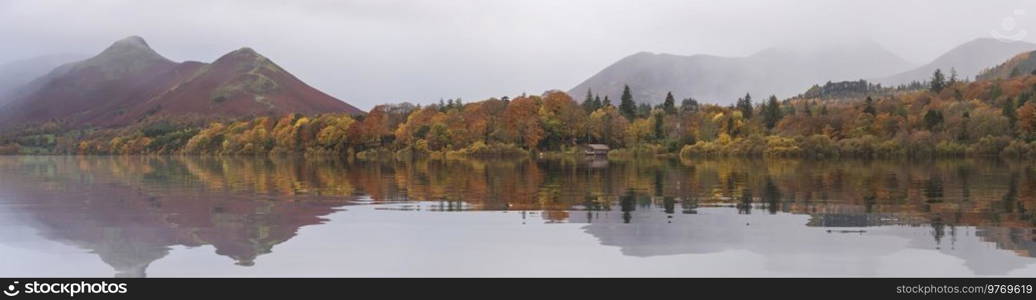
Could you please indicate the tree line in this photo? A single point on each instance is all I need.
(942, 117)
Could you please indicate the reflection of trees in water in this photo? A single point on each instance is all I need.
(244, 206)
(908, 189)
(939, 195)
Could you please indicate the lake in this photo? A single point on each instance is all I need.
(133, 216)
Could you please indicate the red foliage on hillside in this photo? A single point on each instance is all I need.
(129, 82)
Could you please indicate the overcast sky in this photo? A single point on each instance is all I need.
(377, 51)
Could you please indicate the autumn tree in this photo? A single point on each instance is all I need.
(608, 126)
(334, 134)
(1026, 125)
(522, 122)
(375, 126)
(562, 119)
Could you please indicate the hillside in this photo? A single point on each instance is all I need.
(129, 81)
(1021, 64)
(239, 83)
(17, 74)
(968, 59)
(715, 79)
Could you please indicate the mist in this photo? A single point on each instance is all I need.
(372, 52)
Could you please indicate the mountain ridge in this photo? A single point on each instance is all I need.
(720, 79)
(129, 81)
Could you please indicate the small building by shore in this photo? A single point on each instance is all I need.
(596, 149)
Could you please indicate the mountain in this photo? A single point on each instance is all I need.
(129, 81)
(241, 82)
(969, 59)
(716, 79)
(16, 74)
(1021, 64)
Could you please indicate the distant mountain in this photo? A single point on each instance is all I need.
(969, 59)
(716, 79)
(16, 74)
(129, 81)
(1021, 64)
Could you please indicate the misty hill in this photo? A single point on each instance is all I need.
(242, 82)
(129, 81)
(717, 79)
(17, 74)
(1021, 64)
(969, 59)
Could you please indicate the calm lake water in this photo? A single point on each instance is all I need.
(243, 216)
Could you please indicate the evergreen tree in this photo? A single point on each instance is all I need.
(659, 126)
(869, 107)
(689, 105)
(745, 106)
(938, 81)
(933, 118)
(627, 107)
(597, 102)
(965, 119)
(669, 106)
(771, 112)
(1009, 111)
(606, 101)
(588, 103)
(643, 110)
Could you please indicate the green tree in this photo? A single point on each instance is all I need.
(938, 81)
(1009, 111)
(627, 106)
(689, 105)
(669, 106)
(588, 103)
(933, 118)
(771, 112)
(868, 107)
(659, 125)
(745, 106)
(965, 119)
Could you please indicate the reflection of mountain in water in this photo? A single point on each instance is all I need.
(132, 210)
(787, 245)
(106, 206)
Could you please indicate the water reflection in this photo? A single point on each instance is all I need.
(131, 211)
